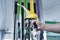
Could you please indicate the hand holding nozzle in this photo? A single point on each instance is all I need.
(40, 25)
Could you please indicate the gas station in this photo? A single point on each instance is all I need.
(16, 17)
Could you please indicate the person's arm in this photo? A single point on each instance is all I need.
(52, 28)
(47, 27)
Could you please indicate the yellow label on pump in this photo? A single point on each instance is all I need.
(31, 13)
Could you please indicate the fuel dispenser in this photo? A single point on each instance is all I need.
(30, 30)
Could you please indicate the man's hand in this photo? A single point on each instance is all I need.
(40, 25)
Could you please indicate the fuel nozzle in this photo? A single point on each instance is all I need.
(31, 26)
(34, 26)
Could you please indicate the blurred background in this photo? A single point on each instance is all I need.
(12, 18)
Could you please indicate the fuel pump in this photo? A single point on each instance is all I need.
(32, 28)
(31, 32)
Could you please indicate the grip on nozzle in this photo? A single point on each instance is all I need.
(35, 25)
